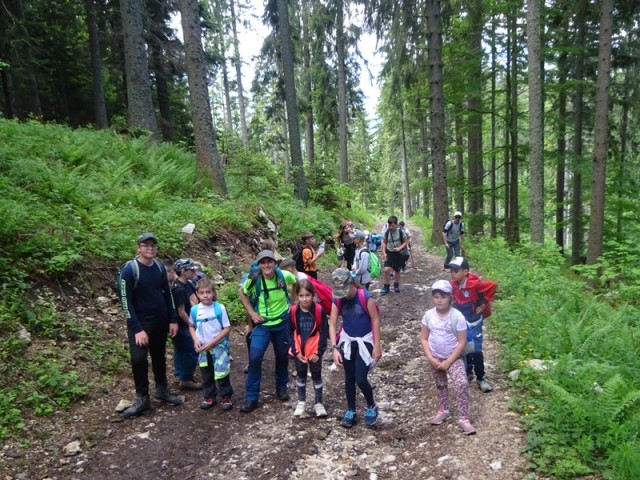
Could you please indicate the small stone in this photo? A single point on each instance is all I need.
(497, 465)
(389, 459)
(72, 449)
(123, 405)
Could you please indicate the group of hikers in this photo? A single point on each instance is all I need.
(287, 306)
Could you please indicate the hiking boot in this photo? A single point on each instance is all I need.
(349, 419)
(299, 409)
(484, 386)
(371, 417)
(249, 406)
(385, 290)
(140, 406)
(189, 385)
(466, 427)
(440, 417)
(226, 404)
(283, 394)
(321, 412)
(396, 287)
(207, 403)
(167, 397)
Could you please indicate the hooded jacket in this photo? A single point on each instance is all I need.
(471, 295)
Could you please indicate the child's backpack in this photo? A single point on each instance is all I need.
(469, 347)
(136, 273)
(299, 259)
(219, 353)
(374, 263)
(376, 241)
(324, 293)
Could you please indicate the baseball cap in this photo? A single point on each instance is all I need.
(265, 254)
(147, 236)
(457, 214)
(184, 264)
(459, 263)
(360, 234)
(341, 279)
(442, 286)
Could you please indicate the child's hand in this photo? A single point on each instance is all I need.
(444, 366)
(435, 363)
(337, 357)
(301, 358)
(481, 308)
(198, 346)
(377, 353)
(314, 358)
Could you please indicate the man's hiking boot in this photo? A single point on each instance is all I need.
(349, 419)
(189, 385)
(371, 417)
(300, 406)
(207, 403)
(249, 406)
(164, 395)
(440, 417)
(321, 412)
(484, 386)
(140, 406)
(385, 290)
(396, 287)
(226, 404)
(283, 394)
(466, 427)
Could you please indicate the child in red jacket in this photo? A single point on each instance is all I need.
(472, 296)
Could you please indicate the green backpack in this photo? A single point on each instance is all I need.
(374, 265)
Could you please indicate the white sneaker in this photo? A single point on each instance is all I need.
(333, 367)
(299, 409)
(320, 410)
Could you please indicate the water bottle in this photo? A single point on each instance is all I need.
(321, 248)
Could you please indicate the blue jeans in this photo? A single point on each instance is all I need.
(185, 357)
(453, 250)
(260, 338)
(475, 361)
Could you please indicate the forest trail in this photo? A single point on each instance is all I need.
(186, 442)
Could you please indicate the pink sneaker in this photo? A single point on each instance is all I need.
(440, 417)
(466, 427)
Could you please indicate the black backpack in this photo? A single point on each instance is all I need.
(136, 273)
(297, 257)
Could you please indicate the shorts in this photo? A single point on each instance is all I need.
(395, 260)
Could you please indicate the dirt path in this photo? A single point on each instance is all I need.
(189, 443)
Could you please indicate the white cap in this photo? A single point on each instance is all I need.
(457, 214)
(443, 286)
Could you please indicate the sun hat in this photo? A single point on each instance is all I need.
(459, 263)
(265, 254)
(341, 279)
(442, 286)
(147, 236)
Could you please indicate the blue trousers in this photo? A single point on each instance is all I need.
(185, 358)
(475, 361)
(260, 338)
(356, 373)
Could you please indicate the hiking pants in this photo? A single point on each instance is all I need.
(212, 387)
(350, 254)
(157, 332)
(356, 373)
(453, 250)
(475, 360)
(260, 338)
(460, 385)
(185, 357)
(316, 377)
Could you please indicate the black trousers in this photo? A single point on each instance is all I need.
(157, 332)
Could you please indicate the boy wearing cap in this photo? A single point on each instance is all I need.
(394, 241)
(267, 321)
(185, 357)
(361, 260)
(453, 236)
(150, 313)
(471, 296)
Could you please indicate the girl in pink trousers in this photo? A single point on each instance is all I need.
(443, 347)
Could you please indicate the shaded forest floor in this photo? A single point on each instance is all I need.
(186, 442)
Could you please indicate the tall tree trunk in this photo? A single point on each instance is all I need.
(494, 212)
(299, 179)
(577, 239)
(99, 104)
(536, 147)
(342, 93)
(238, 64)
(29, 101)
(474, 119)
(630, 75)
(460, 179)
(601, 135)
(562, 149)
(207, 157)
(227, 94)
(407, 211)
(285, 151)
(424, 153)
(307, 85)
(436, 104)
(141, 113)
(512, 229)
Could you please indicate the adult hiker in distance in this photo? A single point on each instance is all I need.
(453, 237)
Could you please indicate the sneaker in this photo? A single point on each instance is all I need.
(189, 385)
(283, 394)
(469, 377)
(371, 417)
(207, 403)
(484, 386)
(249, 406)
(466, 427)
(320, 410)
(167, 397)
(140, 406)
(396, 287)
(349, 419)
(299, 409)
(385, 290)
(226, 404)
(440, 417)
(246, 369)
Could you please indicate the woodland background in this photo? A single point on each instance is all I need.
(523, 115)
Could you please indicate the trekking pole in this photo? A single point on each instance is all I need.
(411, 257)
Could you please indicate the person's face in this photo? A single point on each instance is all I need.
(205, 294)
(457, 218)
(310, 241)
(441, 301)
(267, 267)
(148, 250)
(351, 292)
(172, 276)
(393, 227)
(305, 298)
(458, 275)
(188, 274)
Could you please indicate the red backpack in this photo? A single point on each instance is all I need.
(324, 293)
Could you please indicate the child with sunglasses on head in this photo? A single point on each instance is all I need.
(443, 346)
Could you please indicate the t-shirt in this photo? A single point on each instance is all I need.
(356, 321)
(208, 327)
(393, 239)
(362, 265)
(453, 230)
(306, 322)
(307, 255)
(181, 297)
(271, 307)
(442, 341)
